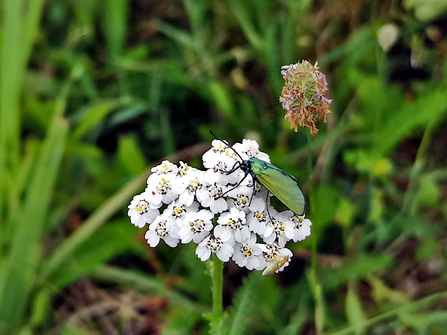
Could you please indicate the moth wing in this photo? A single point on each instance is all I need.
(275, 265)
(283, 186)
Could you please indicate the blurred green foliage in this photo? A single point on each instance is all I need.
(93, 93)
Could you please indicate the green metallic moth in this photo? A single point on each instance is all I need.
(281, 184)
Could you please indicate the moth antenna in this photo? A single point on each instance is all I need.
(227, 144)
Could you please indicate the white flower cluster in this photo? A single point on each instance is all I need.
(217, 211)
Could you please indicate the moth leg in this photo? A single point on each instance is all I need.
(246, 174)
(234, 168)
(267, 207)
(253, 192)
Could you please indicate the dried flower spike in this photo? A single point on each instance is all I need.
(303, 95)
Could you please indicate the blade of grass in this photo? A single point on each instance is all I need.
(30, 25)
(15, 50)
(18, 270)
(17, 275)
(414, 306)
(115, 26)
(10, 87)
(241, 10)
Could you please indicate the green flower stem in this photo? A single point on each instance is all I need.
(311, 208)
(316, 288)
(217, 279)
(215, 268)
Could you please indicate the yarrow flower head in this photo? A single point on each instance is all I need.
(303, 95)
(220, 209)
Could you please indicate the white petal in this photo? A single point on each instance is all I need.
(268, 230)
(269, 239)
(245, 233)
(282, 240)
(204, 198)
(262, 263)
(151, 215)
(262, 246)
(185, 234)
(225, 252)
(257, 204)
(238, 236)
(307, 222)
(203, 253)
(169, 197)
(252, 262)
(186, 198)
(263, 157)
(206, 215)
(256, 226)
(212, 177)
(171, 241)
(222, 232)
(152, 238)
(218, 206)
(301, 234)
(197, 238)
(239, 259)
(137, 219)
(173, 228)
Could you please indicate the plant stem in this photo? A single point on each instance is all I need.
(215, 268)
(311, 208)
(316, 289)
(217, 279)
(416, 171)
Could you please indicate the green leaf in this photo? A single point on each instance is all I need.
(326, 207)
(426, 249)
(40, 307)
(428, 193)
(360, 160)
(17, 273)
(222, 100)
(424, 323)
(38, 112)
(382, 293)
(138, 53)
(427, 109)
(376, 206)
(181, 320)
(115, 26)
(92, 117)
(354, 309)
(129, 155)
(244, 304)
(176, 34)
(426, 10)
(357, 269)
(345, 213)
